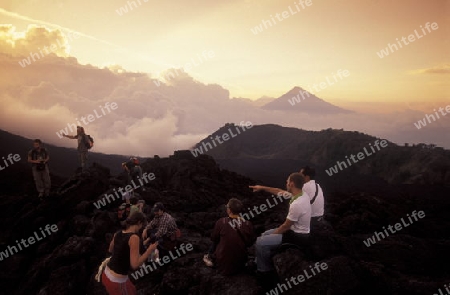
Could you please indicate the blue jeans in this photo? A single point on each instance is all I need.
(264, 246)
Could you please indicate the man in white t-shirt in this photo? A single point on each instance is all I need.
(297, 221)
(314, 191)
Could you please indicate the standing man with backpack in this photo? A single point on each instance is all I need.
(134, 170)
(85, 143)
(39, 158)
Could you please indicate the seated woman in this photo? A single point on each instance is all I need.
(231, 237)
(125, 256)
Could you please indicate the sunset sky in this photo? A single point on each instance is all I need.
(123, 51)
(302, 49)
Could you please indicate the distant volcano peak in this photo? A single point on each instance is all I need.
(300, 100)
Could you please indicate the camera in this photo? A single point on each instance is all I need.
(40, 166)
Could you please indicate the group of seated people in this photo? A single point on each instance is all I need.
(130, 249)
(231, 237)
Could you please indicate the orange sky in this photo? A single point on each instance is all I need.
(306, 47)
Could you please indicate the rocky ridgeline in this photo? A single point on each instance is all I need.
(412, 261)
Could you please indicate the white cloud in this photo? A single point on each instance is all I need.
(40, 99)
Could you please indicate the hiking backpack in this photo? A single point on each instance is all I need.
(88, 142)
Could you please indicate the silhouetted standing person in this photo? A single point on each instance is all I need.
(133, 169)
(39, 158)
(83, 141)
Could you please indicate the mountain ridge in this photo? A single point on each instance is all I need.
(419, 164)
(63, 161)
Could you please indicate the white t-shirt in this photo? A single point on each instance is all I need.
(310, 189)
(300, 214)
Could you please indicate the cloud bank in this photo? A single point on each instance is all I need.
(55, 91)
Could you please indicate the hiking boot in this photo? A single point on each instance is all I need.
(207, 260)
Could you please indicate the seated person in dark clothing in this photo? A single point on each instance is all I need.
(162, 228)
(231, 237)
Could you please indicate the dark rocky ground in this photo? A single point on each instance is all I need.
(414, 261)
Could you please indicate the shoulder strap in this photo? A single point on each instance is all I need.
(240, 234)
(315, 196)
(34, 153)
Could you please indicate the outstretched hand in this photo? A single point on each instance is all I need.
(255, 188)
(152, 247)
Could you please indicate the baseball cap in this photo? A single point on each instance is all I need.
(158, 206)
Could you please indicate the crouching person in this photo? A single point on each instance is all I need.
(125, 257)
(231, 237)
(163, 228)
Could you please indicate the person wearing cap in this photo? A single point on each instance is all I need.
(136, 206)
(82, 149)
(162, 228)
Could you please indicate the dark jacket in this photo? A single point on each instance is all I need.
(231, 250)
